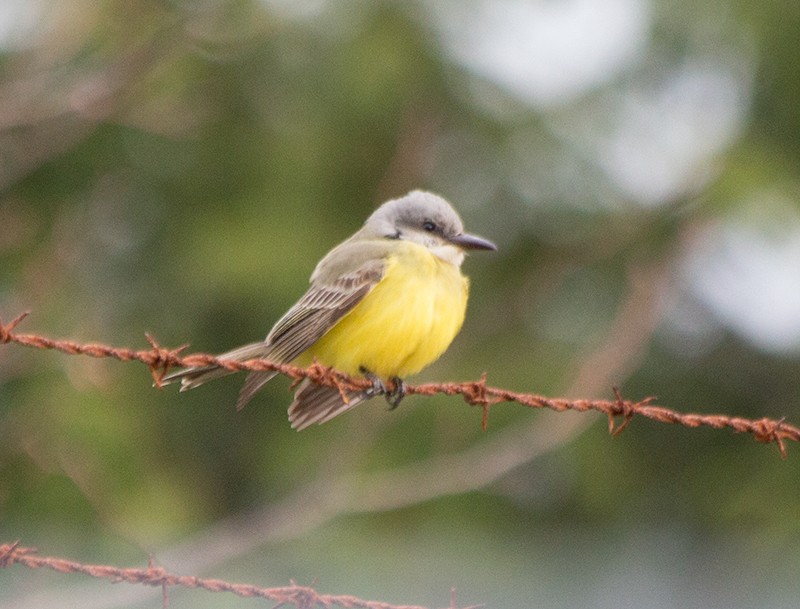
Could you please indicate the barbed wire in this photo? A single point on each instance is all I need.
(303, 597)
(476, 393)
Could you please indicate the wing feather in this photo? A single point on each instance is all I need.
(311, 317)
(336, 288)
(320, 308)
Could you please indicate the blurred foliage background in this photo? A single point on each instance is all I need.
(179, 167)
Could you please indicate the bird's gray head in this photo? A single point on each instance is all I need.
(426, 219)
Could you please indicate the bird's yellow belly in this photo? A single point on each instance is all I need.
(406, 322)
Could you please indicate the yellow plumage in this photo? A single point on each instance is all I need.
(406, 322)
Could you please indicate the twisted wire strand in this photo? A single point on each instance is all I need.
(476, 393)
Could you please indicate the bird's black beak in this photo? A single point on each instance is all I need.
(472, 242)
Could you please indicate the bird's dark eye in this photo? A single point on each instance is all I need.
(429, 226)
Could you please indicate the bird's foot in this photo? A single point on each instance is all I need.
(393, 396)
(378, 386)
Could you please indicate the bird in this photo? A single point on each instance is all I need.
(382, 305)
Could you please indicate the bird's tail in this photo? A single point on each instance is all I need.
(319, 403)
(194, 377)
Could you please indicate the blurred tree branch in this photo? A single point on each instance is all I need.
(50, 110)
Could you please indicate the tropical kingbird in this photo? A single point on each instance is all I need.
(383, 304)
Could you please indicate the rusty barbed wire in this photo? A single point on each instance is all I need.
(476, 393)
(303, 597)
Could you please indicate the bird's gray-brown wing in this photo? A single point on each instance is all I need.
(320, 308)
(324, 304)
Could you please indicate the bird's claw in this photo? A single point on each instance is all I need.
(393, 396)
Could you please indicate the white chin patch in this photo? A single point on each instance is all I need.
(449, 253)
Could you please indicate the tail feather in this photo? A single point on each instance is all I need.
(253, 382)
(319, 403)
(194, 377)
(313, 404)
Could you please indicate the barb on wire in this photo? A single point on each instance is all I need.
(475, 393)
(303, 597)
